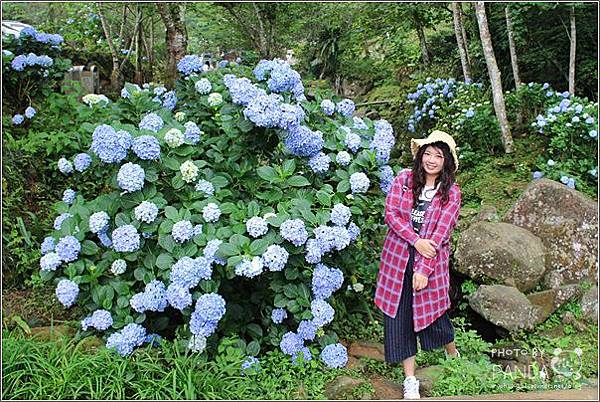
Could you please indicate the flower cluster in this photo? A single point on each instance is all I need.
(203, 86)
(125, 239)
(189, 171)
(82, 161)
(294, 231)
(211, 212)
(64, 166)
(67, 292)
(153, 298)
(210, 308)
(205, 187)
(359, 183)
(192, 133)
(319, 163)
(98, 222)
(110, 145)
(118, 267)
(131, 177)
(182, 231)
(334, 355)
(174, 138)
(383, 141)
(275, 257)
(257, 226)
(278, 315)
(189, 64)
(146, 212)
(325, 281)
(69, 196)
(93, 99)
(340, 215)
(100, 319)
(146, 147)
(188, 272)
(124, 341)
(30, 60)
(68, 248)
(345, 107)
(152, 122)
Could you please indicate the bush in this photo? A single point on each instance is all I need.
(242, 178)
(31, 67)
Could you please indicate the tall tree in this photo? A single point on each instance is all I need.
(461, 41)
(419, 24)
(494, 73)
(572, 52)
(463, 31)
(512, 47)
(173, 16)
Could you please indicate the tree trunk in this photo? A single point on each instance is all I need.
(115, 75)
(512, 48)
(462, 48)
(422, 43)
(494, 73)
(172, 15)
(572, 53)
(464, 33)
(138, 77)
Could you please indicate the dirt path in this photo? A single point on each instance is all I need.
(585, 393)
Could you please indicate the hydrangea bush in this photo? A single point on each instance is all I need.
(240, 217)
(31, 66)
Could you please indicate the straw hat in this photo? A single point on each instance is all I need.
(435, 136)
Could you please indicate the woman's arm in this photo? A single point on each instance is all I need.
(401, 227)
(443, 230)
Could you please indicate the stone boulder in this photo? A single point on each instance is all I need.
(504, 306)
(495, 252)
(549, 300)
(589, 304)
(567, 223)
(367, 349)
(341, 387)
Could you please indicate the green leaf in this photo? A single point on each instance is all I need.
(139, 273)
(298, 181)
(166, 241)
(239, 240)
(170, 163)
(89, 248)
(172, 213)
(258, 246)
(324, 198)
(177, 182)
(280, 300)
(253, 348)
(267, 173)
(164, 261)
(289, 166)
(291, 273)
(343, 186)
(227, 250)
(254, 330)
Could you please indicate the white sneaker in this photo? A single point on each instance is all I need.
(411, 388)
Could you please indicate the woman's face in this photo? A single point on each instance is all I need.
(433, 160)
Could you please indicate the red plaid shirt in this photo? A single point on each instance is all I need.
(432, 301)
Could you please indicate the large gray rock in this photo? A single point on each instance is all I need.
(341, 387)
(567, 223)
(504, 306)
(589, 304)
(549, 300)
(496, 253)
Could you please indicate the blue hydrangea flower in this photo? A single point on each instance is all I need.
(100, 319)
(47, 245)
(179, 296)
(104, 239)
(294, 231)
(210, 307)
(593, 134)
(82, 161)
(153, 298)
(201, 327)
(314, 251)
(131, 177)
(182, 231)
(325, 237)
(118, 267)
(319, 163)
(303, 355)
(188, 272)
(152, 122)
(64, 166)
(29, 112)
(328, 107)
(69, 196)
(589, 120)
(158, 91)
(109, 145)
(146, 147)
(537, 175)
(19, 63)
(359, 183)
(325, 281)
(353, 231)
(146, 212)
(359, 123)
(124, 341)
(242, 90)
(283, 78)
(192, 133)
(66, 292)
(335, 355)
(470, 113)
(251, 364)
(205, 187)
(352, 140)
(340, 215)
(203, 86)
(383, 141)
(68, 248)
(302, 141)
(197, 343)
(263, 67)
(257, 226)
(18, 119)
(322, 312)
(60, 219)
(291, 343)
(571, 183)
(125, 239)
(343, 158)
(189, 64)
(50, 262)
(278, 315)
(307, 330)
(169, 100)
(98, 222)
(386, 177)
(211, 212)
(211, 249)
(345, 107)
(290, 116)
(249, 268)
(275, 257)
(264, 110)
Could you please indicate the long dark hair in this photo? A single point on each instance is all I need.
(445, 179)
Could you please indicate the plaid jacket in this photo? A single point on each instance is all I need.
(431, 302)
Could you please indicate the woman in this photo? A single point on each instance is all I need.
(421, 211)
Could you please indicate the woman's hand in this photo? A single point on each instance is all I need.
(426, 248)
(419, 281)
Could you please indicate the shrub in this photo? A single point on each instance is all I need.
(234, 161)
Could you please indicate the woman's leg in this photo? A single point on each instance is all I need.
(451, 349)
(409, 366)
